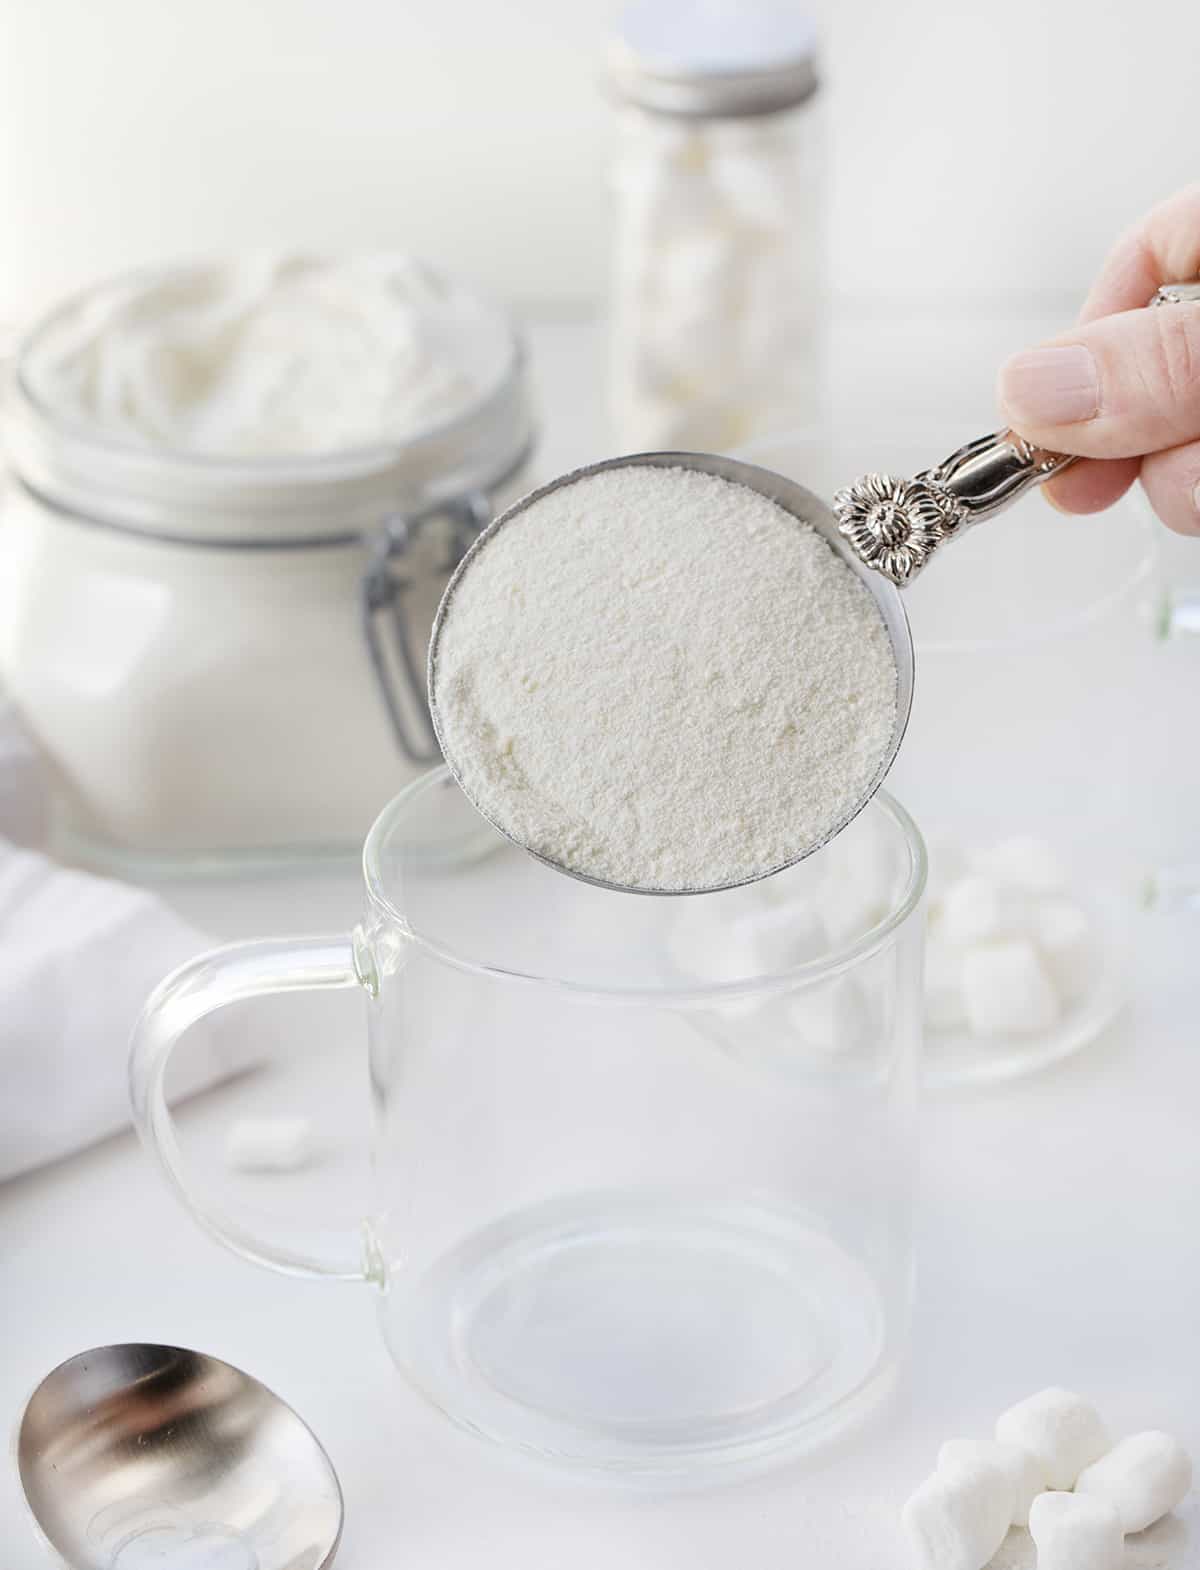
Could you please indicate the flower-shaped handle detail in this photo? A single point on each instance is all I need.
(894, 526)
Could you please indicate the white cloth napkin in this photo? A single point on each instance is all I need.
(78, 957)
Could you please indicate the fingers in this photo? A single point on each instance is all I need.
(1091, 485)
(1115, 388)
(1171, 480)
(1110, 407)
(1164, 247)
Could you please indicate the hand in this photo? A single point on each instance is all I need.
(1123, 389)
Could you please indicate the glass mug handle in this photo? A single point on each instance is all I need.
(193, 991)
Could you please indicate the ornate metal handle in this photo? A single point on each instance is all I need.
(895, 525)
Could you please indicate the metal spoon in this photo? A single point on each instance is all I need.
(138, 1455)
(885, 529)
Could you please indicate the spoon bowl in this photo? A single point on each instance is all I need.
(138, 1456)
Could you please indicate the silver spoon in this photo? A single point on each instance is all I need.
(885, 529)
(137, 1455)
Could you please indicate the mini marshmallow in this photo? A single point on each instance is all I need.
(278, 1144)
(701, 266)
(1006, 990)
(1073, 1532)
(832, 1017)
(1142, 1478)
(945, 1008)
(1022, 1470)
(778, 939)
(1063, 935)
(958, 1518)
(976, 910)
(1062, 1431)
(947, 864)
(1022, 862)
(850, 907)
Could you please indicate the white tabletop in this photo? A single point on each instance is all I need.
(1057, 1237)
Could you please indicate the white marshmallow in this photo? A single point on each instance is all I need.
(1061, 1430)
(958, 1518)
(831, 1018)
(976, 909)
(849, 910)
(945, 1008)
(1006, 990)
(760, 188)
(701, 266)
(1073, 1532)
(1022, 1470)
(947, 865)
(279, 1144)
(1142, 1478)
(776, 939)
(1063, 936)
(859, 874)
(1022, 862)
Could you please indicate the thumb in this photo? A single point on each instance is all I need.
(1120, 387)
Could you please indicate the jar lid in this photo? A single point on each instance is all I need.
(713, 58)
(80, 467)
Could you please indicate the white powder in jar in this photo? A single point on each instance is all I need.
(661, 679)
(270, 356)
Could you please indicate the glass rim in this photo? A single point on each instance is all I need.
(838, 960)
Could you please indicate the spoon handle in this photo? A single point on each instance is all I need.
(895, 525)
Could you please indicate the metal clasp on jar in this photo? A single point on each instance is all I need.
(394, 644)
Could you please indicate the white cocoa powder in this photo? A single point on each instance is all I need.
(661, 679)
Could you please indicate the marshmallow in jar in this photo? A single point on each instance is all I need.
(235, 494)
(719, 249)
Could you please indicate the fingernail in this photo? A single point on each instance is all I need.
(1051, 386)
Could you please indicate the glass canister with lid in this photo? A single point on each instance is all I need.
(235, 492)
(719, 266)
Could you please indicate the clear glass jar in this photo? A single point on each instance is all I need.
(223, 659)
(622, 1216)
(719, 262)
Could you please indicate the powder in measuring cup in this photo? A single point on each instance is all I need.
(661, 679)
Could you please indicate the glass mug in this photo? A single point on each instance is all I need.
(625, 1214)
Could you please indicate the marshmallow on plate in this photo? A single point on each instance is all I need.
(958, 1518)
(976, 910)
(778, 938)
(1024, 862)
(1021, 1469)
(1006, 990)
(944, 1005)
(1073, 1532)
(1063, 936)
(1142, 1478)
(1061, 1430)
(831, 1017)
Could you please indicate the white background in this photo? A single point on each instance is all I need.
(976, 150)
(981, 160)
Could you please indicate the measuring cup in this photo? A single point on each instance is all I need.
(884, 528)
